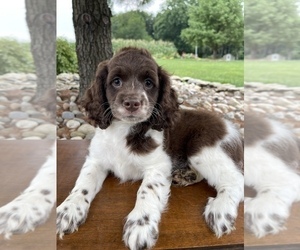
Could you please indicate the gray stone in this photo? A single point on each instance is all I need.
(72, 124)
(4, 119)
(73, 106)
(34, 113)
(33, 133)
(230, 115)
(59, 119)
(32, 138)
(66, 106)
(233, 102)
(26, 124)
(39, 121)
(73, 98)
(67, 115)
(26, 98)
(25, 106)
(76, 138)
(18, 115)
(86, 129)
(79, 120)
(15, 106)
(3, 99)
(47, 128)
(77, 133)
(223, 107)
(78, 113)
(89, 136)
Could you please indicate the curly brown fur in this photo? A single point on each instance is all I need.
(126, 62)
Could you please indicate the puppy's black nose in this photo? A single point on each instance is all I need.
(132, 105)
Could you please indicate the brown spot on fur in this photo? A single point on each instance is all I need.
(265, 191)
(138, 142)
(204, 129)
(286, 149)
(45, 192)
(256, 128)
(48, 201)
(235, 150)
(268, 228)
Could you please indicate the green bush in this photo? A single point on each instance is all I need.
(66, 59)
(15, 56)
(158, 49)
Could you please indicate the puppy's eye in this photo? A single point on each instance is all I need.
(116, 82)
(148, 83)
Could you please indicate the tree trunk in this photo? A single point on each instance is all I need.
(215, 53)
(41, 22)
(92, 26)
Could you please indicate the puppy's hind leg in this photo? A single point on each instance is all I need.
(221, 172)
(185, 176)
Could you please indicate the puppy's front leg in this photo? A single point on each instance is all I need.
(33, 206)
(220, 171)
(141, 227)
(73, 211)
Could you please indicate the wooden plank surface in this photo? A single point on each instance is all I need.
(182, 225)
(19, 162)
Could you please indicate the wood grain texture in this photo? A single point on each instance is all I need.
(182, 225)
(19, 162)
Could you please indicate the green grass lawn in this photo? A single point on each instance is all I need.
(235, 72)
(214, 71)
(283, 72)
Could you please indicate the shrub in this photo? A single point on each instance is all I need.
(158, 49)
(15, 56)
(66, 59)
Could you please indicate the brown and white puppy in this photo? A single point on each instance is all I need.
(142, 134)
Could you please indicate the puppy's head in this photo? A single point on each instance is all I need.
(132, 88)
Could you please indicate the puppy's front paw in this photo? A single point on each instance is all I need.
(70, 215)
(25, 213)
(265, 215)
(220, 214)
(140, 232)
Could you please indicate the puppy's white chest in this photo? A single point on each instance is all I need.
(115, 155)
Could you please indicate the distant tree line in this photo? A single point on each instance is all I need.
(215, 26)
(272, 27)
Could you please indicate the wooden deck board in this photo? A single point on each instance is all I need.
(182, 225)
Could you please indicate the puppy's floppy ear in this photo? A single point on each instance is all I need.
(167, 104)
(95, 101)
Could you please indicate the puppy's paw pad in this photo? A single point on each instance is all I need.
(185, 177)
(220, 216)
(263, 218)
(24, 214)
(141, 233)
(69, 217)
